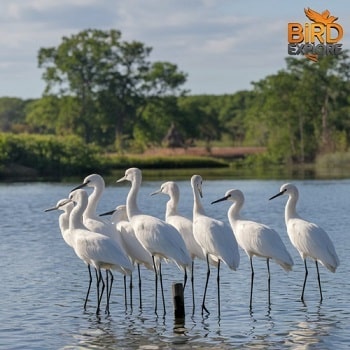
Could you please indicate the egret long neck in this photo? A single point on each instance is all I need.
(75, 218)
(64, 225)
(63, 221)
(234, 212)
(290, 210)
(197, 204)
(131, 201)
(94, 198)
(171, 207)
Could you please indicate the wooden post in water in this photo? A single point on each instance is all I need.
(179, 303)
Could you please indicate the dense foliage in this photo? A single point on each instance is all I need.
(111, 81)
(49, 155)
(303, 110)
(63, 156)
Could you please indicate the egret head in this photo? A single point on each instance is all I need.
(79, 196)
(61, 205)
(170, 188)
(90, 181)
(231, 195)
(196, 183)
(118, 214)
(93, 180)
(287, 189)
(132, 174)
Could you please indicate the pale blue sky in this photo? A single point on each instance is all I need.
(223, 45)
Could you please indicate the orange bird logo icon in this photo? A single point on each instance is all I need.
(323, 17)
(316, 39)
(316, 17)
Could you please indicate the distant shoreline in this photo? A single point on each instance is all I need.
(217, 152)
(153, 158)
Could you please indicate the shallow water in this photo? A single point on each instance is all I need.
(44, 283)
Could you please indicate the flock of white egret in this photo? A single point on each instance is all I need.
(132, 238)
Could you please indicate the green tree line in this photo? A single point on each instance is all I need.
(109, 93)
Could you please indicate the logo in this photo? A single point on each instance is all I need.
(316, 39)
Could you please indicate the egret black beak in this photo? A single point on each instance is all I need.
(51, 209)
(156, 192)
(84, 184)
(220, 200)
(276, 195)
(108, 213)
(121, 179)
(62, 203)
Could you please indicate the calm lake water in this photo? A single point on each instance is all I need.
(44, 283)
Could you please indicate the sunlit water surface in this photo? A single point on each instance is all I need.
(44, 283)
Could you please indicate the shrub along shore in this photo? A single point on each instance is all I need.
(60, 158)
(39, 157)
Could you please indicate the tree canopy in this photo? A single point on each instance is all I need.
(303, 110)
(110, 80)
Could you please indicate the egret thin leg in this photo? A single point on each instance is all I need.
(107, 292)
(99, 297)
(192, 282)
(161, 286)
(268, 279)
(110, 288)
(102, 289)
(88, 291)
(156, 284)
(251, 282)
(130, 288)
(98, 287)
(206, 286)
(125, 296)
(319, 281)
(185, 278)
(306, 273)
(140, 295)
(218, 283)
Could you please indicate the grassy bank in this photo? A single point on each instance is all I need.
(52, 158)
(108, 166)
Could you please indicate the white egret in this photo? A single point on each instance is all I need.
(135, 250)
(308, 238)
(214, 236)
(66, 205)
(255, 238)
(95, 223)
(93, 248)
(162, 240)
(182, 224)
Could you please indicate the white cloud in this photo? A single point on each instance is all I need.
(221, 44)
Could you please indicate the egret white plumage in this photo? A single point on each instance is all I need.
(182, 224)
(308, 238)
(95, 223)
(93, 248)
(66, 205)
(255, 238)
(135, 250)
(214, 236)
(162, 240)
